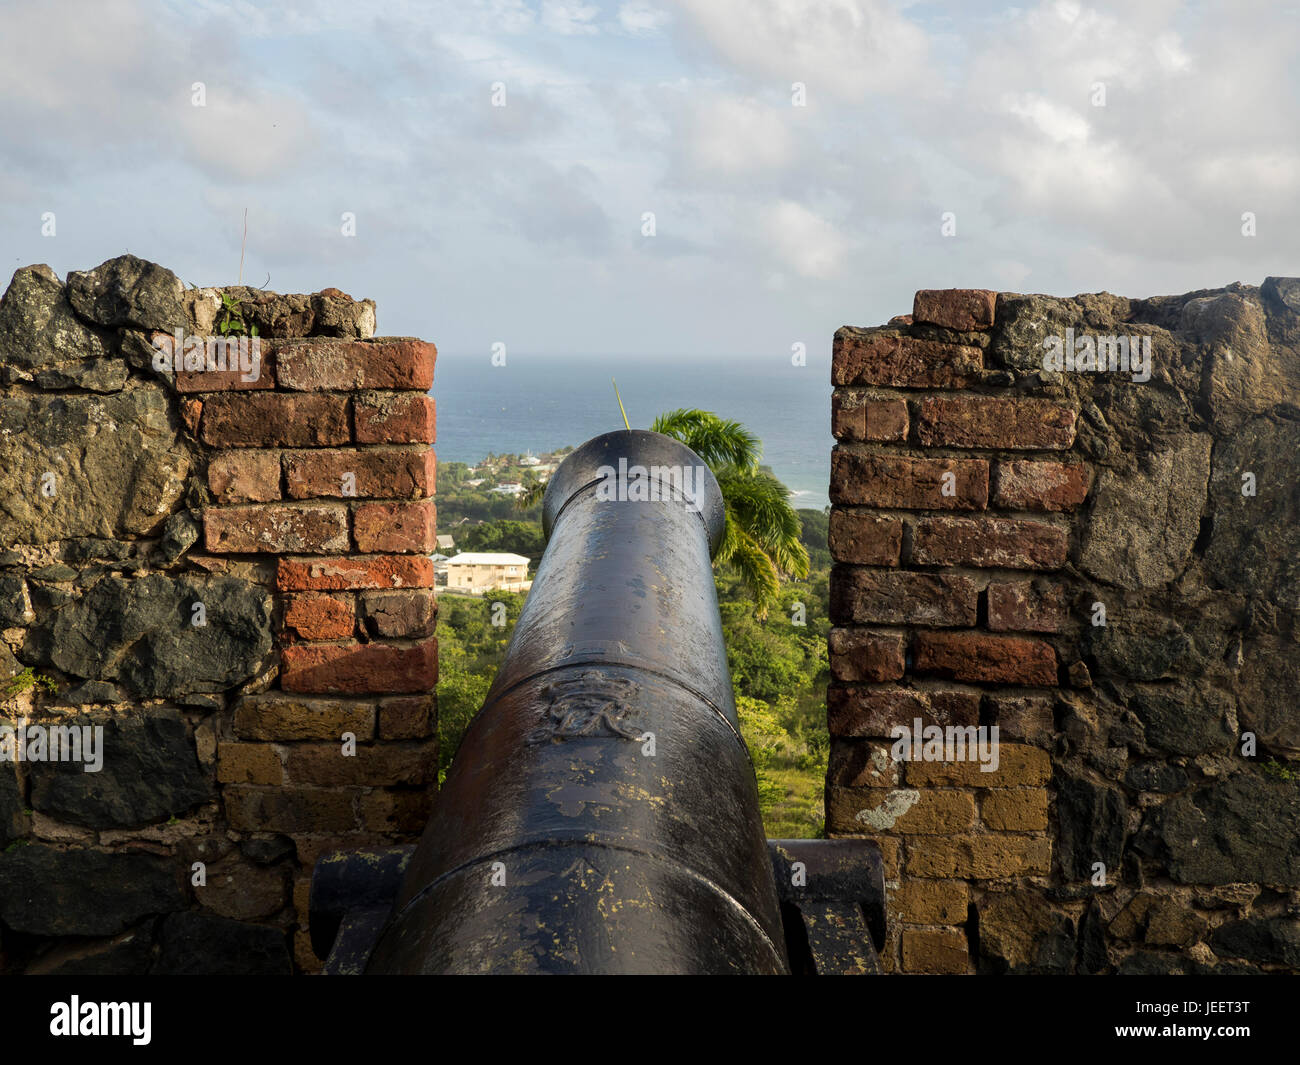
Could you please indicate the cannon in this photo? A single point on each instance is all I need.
(601, 814)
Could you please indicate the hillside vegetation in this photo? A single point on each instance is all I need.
(778, 666)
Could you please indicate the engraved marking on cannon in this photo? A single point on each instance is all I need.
(591, 704)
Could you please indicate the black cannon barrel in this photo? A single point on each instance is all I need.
(601, 814)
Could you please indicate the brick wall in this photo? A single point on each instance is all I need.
(983, 505)
(230, 574)
(329, 473)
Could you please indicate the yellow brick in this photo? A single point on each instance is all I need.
(248, 763)
(1015, 809)
(903, 810)
(302, 898)
(1019, 766)
(984, 857)
(927, 951)
(930, 902)
(891, 851)
(889, 956)
(303, 954)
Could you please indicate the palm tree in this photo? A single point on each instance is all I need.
(760, 541)
(531, 496)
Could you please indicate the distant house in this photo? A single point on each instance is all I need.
(476, 572)
(475, 482)
(439, 569)
(446, 543)
(529, 460)
(511, 489)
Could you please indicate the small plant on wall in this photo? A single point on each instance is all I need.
(230, 319)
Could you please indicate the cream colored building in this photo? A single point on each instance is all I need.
(476, 572)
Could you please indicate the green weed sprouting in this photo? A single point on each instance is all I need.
(26, 681)
(1278, 771)
(230, 319)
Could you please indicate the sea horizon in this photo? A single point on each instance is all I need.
(538, 403)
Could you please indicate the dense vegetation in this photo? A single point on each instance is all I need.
(778, 666)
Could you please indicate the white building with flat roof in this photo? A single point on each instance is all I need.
(476, 572)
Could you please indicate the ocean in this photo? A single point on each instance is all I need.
(539, 403)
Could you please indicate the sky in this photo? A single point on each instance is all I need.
(716, 179)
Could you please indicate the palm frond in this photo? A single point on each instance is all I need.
(717, 441)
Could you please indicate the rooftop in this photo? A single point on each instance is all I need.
(487, 558)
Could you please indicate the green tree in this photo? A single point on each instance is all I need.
(762, 538)
(531, 496)
(517, 537)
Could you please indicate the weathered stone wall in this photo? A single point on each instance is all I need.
(227, 570)
(1107, 568)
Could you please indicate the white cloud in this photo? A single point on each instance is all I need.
(640, 17)
(569, 19)
(732, 137)
(812, 246)
(829, 213)
(838, 48)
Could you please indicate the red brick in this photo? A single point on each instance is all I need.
(395, 527)
(375, 765)
(856, 417)
(966, 310)
(885, 357)
(320, 617)
(886, 420)
(856, 711)
(879, 480)
(1027, 485)
(1023, 718)
(262, 370)
(1026, 606)
(405, 613)
(973, 656)
(395, 418)
(353, 572)
(893, 597)
(359, 668)
(377, 474)
(275, 529)
(273, 419)
(407, 717)
(855, 763)
(848, 416)
(329, 364)
(1003, 542)
(244, 476)
(994, 421)
(191, 412)
(867, 539)
(857, 655)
